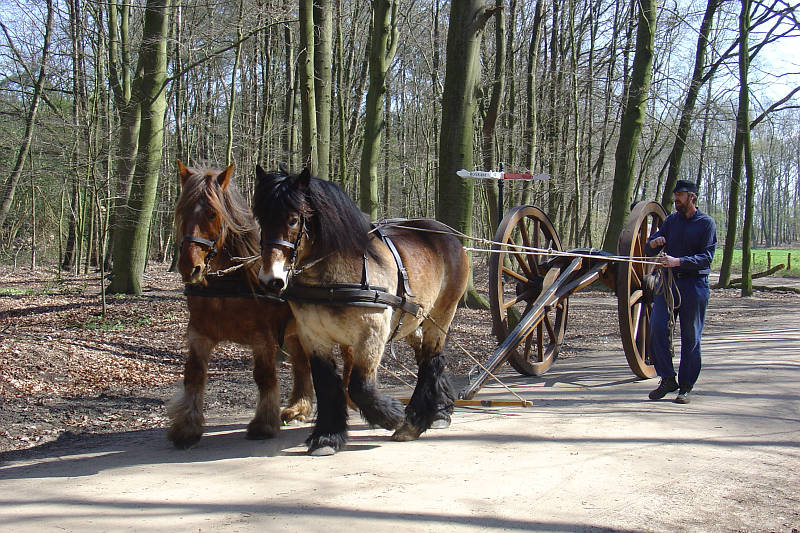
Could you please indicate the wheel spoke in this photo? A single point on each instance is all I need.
(635, 297)
(540, 342)
(646, 352)
(636, 280)
(550, 330)
(516, 299)
(514, 274)
(523, 264)
(527, 350)
(635, 319)
(641, 339)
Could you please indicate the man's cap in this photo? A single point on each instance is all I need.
(684, 185)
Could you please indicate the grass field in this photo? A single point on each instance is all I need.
(761, 260)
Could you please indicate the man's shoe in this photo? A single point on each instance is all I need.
(683, 396)
(666, 386)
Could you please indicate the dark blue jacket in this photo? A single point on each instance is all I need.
(692, 240)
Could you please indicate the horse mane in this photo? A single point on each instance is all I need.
(334, 221)
(240, 232)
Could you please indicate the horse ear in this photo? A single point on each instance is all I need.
(224, 177)
(303, 179)
(261, 174)
(183, 173)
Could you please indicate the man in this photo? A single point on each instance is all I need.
(688, 238)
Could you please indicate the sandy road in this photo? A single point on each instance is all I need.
(591, 454)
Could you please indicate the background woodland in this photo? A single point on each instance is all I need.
(613, 100)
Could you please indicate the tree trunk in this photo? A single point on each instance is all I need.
(323, 26)
(382, 49)
(632, 121)
(119, 70)
(340, 98)
(308, 104)
(131, 248)
(733, 200)
(233, 88)
(462, 74)
(687, 112)
(531, 123)
(289, 98)
(489, 151)
(744, 112)
(30, 120)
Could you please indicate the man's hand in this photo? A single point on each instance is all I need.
(669, 261)
(658, 241)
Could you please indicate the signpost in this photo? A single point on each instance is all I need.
(501, 178)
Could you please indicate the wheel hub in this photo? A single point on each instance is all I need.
(530, 290)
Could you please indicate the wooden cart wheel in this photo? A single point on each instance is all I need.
(635, 286)
(516, 280)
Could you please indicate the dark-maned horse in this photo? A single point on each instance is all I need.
(312, 231)
(216, 227)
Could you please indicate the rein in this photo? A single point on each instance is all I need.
(503, 247)
(665, 285)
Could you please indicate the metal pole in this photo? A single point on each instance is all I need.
(500, 198)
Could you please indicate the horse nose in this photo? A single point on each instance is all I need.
(275, 284)
(196, 271)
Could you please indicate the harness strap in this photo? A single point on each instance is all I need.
(365, 273)
(212, 245)
(200, 240)
(279, 242)
(230, 288)
(349, 294)
(403, 287)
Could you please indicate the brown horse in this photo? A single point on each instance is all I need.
(311, 231)
(217, 231)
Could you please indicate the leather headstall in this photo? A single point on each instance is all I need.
(292, 246)
(212, 245)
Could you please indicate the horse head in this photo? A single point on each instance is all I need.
(200, 220)
(282, 209)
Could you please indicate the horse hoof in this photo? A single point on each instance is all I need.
(184, 442)
(292, 415)
(259, 432)
(325, 444)
(321, 451)
(405, 433)
(441, 423)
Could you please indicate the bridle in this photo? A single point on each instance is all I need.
(291, 246)
(212, 245)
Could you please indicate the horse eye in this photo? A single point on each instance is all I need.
(212, 214)
(293, 222)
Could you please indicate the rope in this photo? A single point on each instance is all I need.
(474, 360)
(665, 286)
(518, 248)
(242, 262)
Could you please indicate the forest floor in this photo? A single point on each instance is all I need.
(66, 370)
(83, 430)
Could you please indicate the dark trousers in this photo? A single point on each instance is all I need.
(694, 293)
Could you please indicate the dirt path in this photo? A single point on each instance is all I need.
(591, 455)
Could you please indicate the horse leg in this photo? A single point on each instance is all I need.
(300, 399)
(266, 423)
(433, 399)
(330, 430)
(376, 408)
(185, 410)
